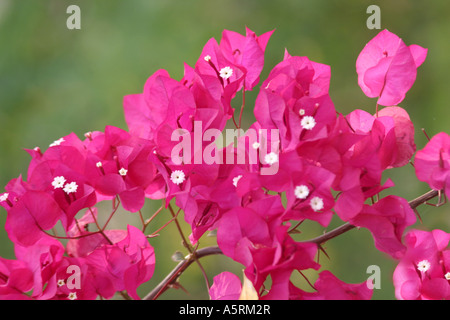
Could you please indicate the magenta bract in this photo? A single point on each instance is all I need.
(300, 160)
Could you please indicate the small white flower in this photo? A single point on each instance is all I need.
(178, 176)
(58, 182)
(61, 282)
(301, 112)
(308, 122)
(301, 192)
(57, 142)
(207, 58)
(316, 203)
(72, 296)
(123, 172)
(4, 197)
(88, 135)
(236, 179)
(226, 72)
(70, 187)
(447, 276)
(256, 145)
(99, 164)
(271, 158)
(423, 266)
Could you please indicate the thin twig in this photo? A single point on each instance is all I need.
(98, 226)
(180, 231)
(242, 106)
(179, 269)
(423, 198)
(347, 226)
(165, 225)
(172, 277)
(115, 207)
(332, 234)
(147, 222)
(187, 245)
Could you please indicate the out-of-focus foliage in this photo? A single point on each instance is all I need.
(54, 81)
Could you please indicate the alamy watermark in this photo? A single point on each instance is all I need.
(205, 147)
(374, 20)
(74, 20)
(373, 282)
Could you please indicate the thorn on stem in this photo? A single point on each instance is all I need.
(323, 250)
(177, 285)
(418, 215)
(442, 199)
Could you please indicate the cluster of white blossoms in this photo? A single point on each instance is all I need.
(4, 197)
(56, 142)
(271, 158)
(308, 122)
(226, 72)
(302, 192)
(316, 203)
(424, 266)
(72, 296)
(60, 183)
(236, 180)
(123, 172)
(177, 176)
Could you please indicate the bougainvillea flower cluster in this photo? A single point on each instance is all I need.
(325, 164)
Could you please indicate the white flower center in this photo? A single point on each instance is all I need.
(423, 266)
(316, 203)
(178, 176)
(72, 296)
(58, 182)
(61, 282)
(4, 197)
(301, 112)
(57, 142)
(226, 72)
(308, 122)
(236, 179)
(123, 172)
(271, 158)
(447, 276)
(256, 145)
(207, 58)
(99, 164)
(301, 192)
(70, 187)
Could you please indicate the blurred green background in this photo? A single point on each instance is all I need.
(54, 81)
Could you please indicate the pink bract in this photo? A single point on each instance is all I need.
(387, 68)
(226, 286)
(321, 164)
(422, 273)
(432, 163)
